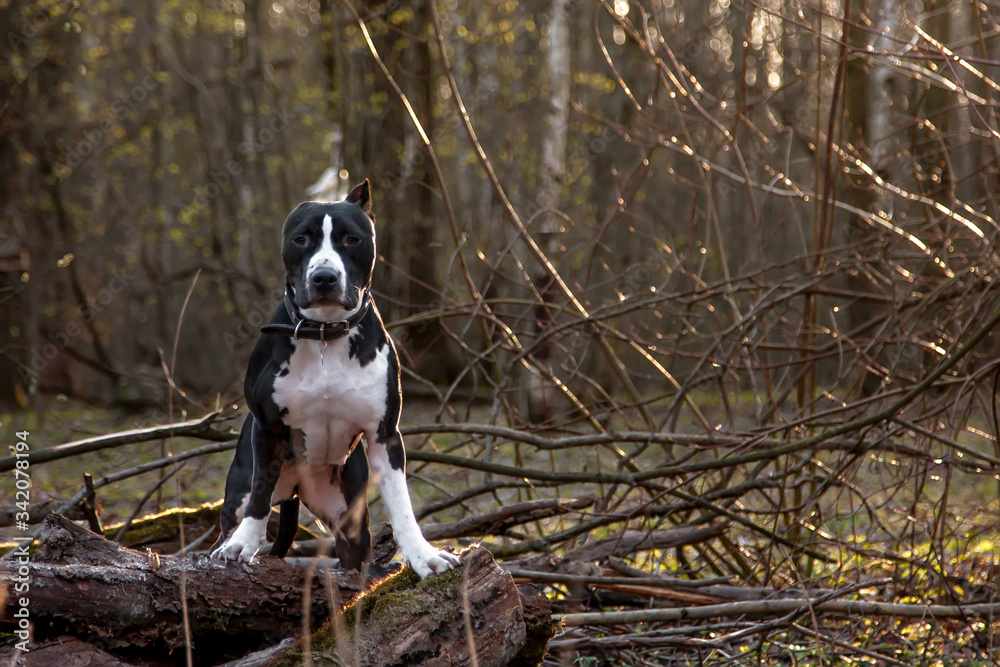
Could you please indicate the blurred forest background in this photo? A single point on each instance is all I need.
(753, 241)
(772, 197)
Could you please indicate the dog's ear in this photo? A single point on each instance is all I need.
(361, 195)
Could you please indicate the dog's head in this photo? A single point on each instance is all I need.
(329, 252)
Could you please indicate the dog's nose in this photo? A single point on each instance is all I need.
(325, 278)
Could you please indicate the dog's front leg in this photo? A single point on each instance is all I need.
(388, 462)
(268, 447)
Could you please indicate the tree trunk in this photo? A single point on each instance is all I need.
(884, 88)
(426, 343)
(540, 392)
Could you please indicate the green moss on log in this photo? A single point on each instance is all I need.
(378, 609)
(164, 526)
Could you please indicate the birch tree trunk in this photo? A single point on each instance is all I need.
(541, 393)
(959, 123)
(876, 124)
(884, 88)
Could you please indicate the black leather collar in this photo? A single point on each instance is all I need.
(303, 329)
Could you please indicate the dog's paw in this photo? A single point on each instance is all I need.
(426, 560)
(243, 544)
(241, 553)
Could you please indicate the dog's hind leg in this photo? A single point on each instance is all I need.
(288, 526)
(354, 538)
(337, 495)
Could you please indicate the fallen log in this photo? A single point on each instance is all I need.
(61, 651)
(137, 605)
(472, 615)
(161, 531)
(86, 586)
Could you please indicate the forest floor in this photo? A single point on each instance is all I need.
(893, 554)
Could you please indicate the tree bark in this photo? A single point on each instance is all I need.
(406, 621)
(541, 394)
(86, 586)
(116, 599)
(62, 652)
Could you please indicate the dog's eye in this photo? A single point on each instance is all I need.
(300, 240)
(351, 240)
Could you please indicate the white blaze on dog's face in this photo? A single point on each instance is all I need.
(329, 252)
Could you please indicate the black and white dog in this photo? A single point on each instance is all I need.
(323, 374)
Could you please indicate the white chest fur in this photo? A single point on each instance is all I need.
(331, 400)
